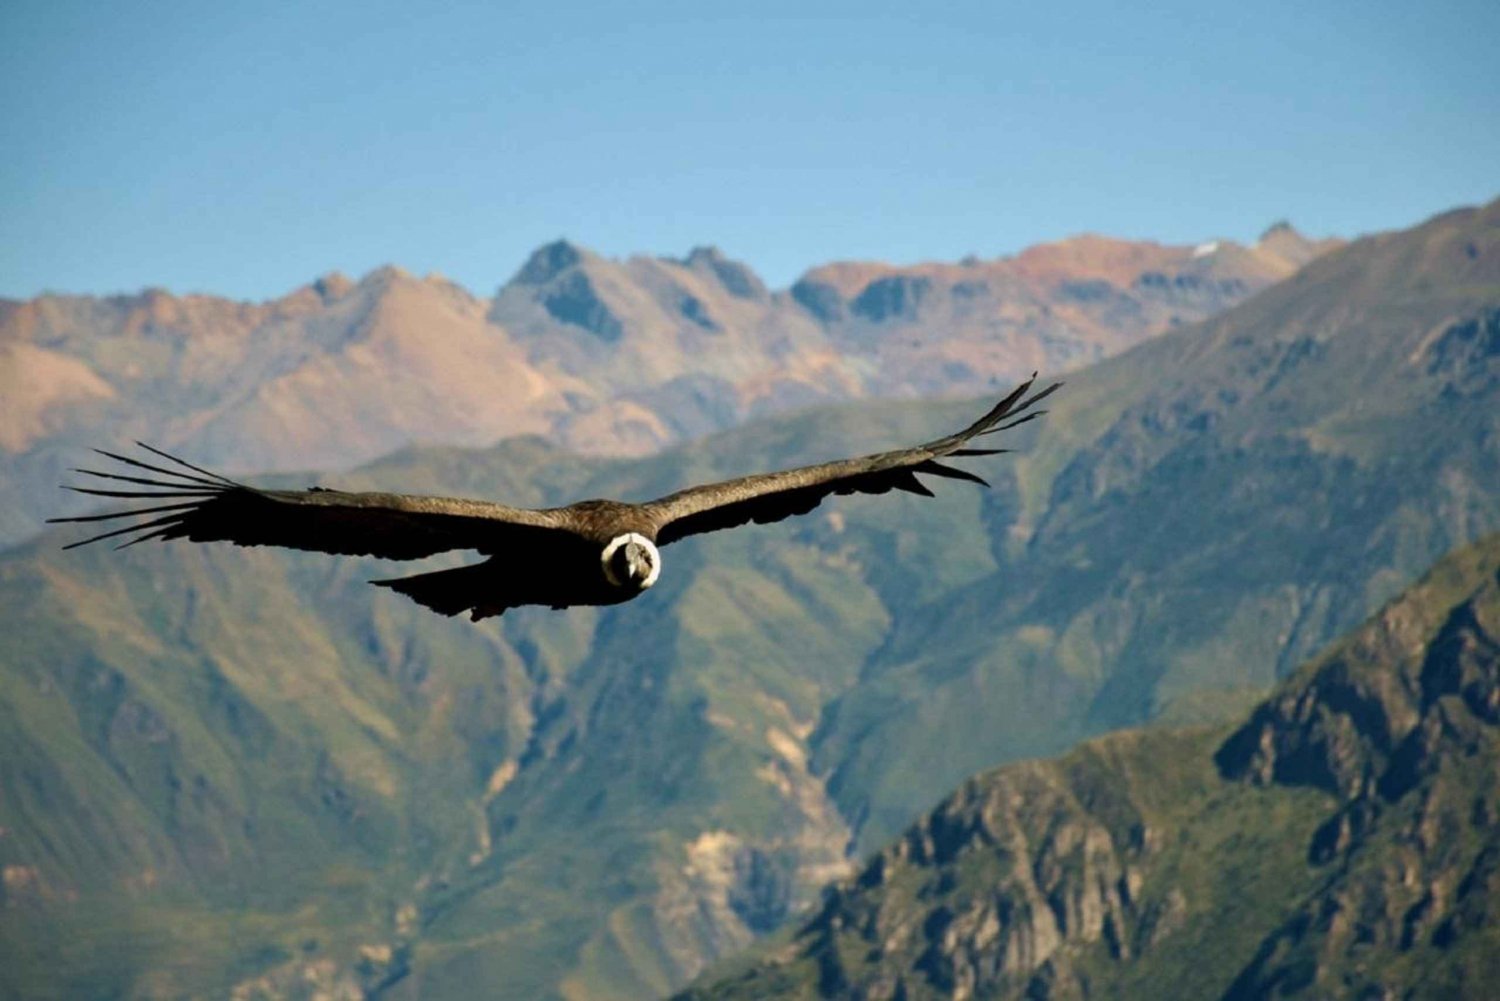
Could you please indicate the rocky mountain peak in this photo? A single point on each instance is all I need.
(1278, 228)
(333, 285)
(1285, 242)
(549, 261)
(704, 253)
(736, 277)
(384, 276)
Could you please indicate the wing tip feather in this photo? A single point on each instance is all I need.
(193, 492)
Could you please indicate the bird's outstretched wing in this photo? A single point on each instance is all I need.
(773, 496)
(183, 501)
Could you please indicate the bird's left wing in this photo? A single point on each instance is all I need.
(187, 502)
(773, 496)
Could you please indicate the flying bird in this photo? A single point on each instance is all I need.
(594, 552)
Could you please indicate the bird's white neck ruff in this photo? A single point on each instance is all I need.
(644, 543)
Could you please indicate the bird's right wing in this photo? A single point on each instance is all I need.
(771, 497)
(201, 506)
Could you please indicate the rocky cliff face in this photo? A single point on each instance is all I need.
(1344, 841)
(604, 356)
(1400, 725)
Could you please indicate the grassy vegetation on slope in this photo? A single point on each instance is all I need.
(1200, 514)
(1343, 842)
(596, 803)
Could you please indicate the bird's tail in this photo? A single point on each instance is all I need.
(449, 592)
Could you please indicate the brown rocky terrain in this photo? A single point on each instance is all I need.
(606, 357)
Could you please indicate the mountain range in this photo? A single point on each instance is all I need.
(1343, 841)
(602, 356)
(247, 771)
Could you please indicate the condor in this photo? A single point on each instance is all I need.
(594, 552)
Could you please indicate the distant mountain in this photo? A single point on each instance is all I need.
(239, 769)
(607, 357)
(1199, 515)
(1343, 842)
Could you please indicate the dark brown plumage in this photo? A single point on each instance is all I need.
(594, 552)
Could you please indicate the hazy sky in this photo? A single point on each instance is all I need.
(245, 148)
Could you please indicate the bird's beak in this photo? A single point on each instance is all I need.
(636, 565)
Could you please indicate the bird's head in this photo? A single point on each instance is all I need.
(631, 561)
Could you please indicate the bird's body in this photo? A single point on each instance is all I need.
(601, 568)
(593, 552)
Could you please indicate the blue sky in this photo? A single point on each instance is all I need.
(246, 148)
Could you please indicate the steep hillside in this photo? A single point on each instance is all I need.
(294, 773)
(607, 357)
(1343, 842)
(1201, 514)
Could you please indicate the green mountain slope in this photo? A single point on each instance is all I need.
(1343, 842)
(1200, 515)
(226, 767)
